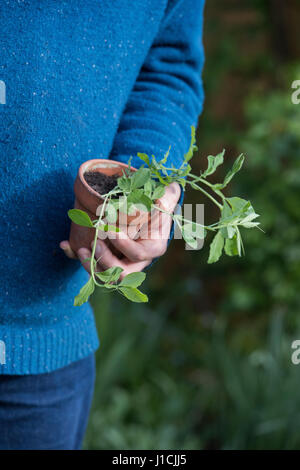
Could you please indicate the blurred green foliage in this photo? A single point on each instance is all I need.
(207, 364)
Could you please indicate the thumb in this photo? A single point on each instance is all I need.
(171, 197)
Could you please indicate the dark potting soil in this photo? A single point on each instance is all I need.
(100, 182)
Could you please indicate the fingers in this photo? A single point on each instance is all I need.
(131, 249)
(137, 254)
(106, 259)
(84, 256)
(157, 231)
(65, 246)
(145, 248)
(161, 222)
(171, 197)
(134, 267)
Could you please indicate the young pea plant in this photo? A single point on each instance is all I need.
(144, 187)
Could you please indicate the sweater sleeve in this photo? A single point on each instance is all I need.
(168, 95)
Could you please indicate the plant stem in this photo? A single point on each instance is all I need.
(96, 237)
(209, 196)
(175, 218)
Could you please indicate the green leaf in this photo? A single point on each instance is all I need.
(189, 239)
(237, 211)
(116, 203)
(231, 246)
(108, 228)
(124, 183)
(144, 157)
(230, 231)
(138, 197)
(163, 160)
(185, 171)
(154, 162)
(240, 206)
(133, 294)
(110, 275)
(191, 232)
(146, 202)
(239, 242)
(226, 213)
(213, 163)
(111, 212)
(216, 248)
(80, 218)
(139, 178)
(235, 168)
(148, 188)
(129, 166)
(226, 218)
(122, 202)
(192, 147)
(158, 192)
(84, 293)
(248, 221)
(236, 208)
(163, 181)
(250, 224)
(250, 217)
(133, 279)
(109, 286)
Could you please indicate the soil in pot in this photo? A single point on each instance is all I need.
(100, 182)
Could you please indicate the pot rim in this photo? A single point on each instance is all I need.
(96, 163)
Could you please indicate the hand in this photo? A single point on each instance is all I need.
(135, 254)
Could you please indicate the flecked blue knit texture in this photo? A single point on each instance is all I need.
(84, 79)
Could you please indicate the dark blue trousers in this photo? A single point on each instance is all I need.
(46, 411)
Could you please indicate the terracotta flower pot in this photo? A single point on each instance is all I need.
(88, 200)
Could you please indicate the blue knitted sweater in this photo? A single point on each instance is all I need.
(84, 79)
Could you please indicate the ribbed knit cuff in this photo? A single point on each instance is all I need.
(35, 351)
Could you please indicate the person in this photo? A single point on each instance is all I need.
(84, 79)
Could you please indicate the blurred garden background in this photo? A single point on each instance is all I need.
(207, 363)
